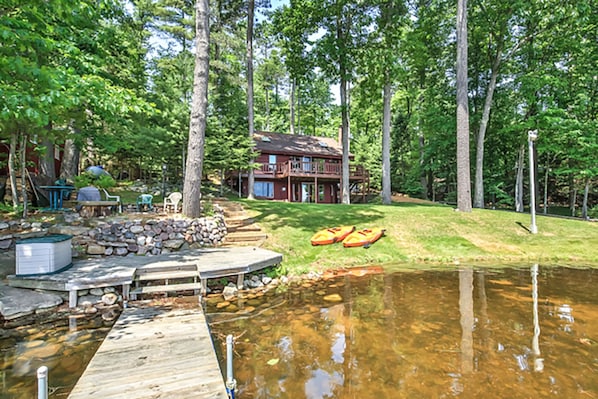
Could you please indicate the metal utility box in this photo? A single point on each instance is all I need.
(42, 255)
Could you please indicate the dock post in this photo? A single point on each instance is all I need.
(42, 382)
(231, 384)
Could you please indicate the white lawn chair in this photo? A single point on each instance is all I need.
(114, 198)
(172, 201)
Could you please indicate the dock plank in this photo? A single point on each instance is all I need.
(153, 352)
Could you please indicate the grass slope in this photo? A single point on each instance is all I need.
(422, 233)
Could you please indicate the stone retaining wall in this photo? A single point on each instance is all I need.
(140, 237)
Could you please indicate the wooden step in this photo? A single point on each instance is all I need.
(235, 222)
(167, 275)
(167, 268)
(152, 289)
(248, 228)
(246, 236)
(232, 214)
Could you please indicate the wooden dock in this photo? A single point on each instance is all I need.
(154, 353)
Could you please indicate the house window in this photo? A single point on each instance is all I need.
(264, 189)
(307, 164)
(272, 162)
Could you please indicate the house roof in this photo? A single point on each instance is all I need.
(293, 144)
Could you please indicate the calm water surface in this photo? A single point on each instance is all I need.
(472, 333)
(65, 349)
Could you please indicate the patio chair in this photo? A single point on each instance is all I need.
(172, 201)
(144, 202)
(114, 198)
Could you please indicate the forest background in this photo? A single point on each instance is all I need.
(112, 82)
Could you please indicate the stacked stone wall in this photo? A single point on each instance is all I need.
(121, 238)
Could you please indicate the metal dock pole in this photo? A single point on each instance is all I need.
(231, 384)
(42, 382)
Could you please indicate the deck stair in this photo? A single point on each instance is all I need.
(242, 229)
(166, 278)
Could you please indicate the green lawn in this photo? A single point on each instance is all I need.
(423, 234)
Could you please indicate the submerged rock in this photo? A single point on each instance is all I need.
(333, 298)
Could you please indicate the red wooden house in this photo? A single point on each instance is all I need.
(298, 168)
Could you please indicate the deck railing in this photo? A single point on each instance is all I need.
(316, 169)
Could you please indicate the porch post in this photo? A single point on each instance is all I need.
(316, 192)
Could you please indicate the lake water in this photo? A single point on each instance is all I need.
(527, 332)
(472, 333)
(64, 346)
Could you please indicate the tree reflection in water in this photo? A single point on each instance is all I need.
(402, 335)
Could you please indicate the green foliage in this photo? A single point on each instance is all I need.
(88, 72)
(87, 179)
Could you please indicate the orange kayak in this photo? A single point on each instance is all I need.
(331, 235)
(363, 238)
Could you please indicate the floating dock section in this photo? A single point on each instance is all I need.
(154, 353)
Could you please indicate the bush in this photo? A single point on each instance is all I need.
(87, 179)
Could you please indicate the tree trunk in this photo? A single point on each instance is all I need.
(584, 206)
(572, 194)
(23, 156)
(463, 173)
(298, 109)
(386, 181)
(267, 110)
(292, 106)
(46, 164)
(249, 48)
(519, 181)
(343, 73)
(197, 122)
(346, 195)
(70, 159)
(546, 170)
(12, 168)
(478, 201)
(423, 180)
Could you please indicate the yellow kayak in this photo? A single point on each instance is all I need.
(331, 235)
(363, 238)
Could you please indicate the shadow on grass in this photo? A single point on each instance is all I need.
(524, 227)
(417, 204)
(312, 217)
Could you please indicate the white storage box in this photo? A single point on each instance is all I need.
(43, 255)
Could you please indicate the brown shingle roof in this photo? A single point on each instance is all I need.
(293, 144)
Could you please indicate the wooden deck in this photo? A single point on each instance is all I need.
(121, 271)
(154, 353)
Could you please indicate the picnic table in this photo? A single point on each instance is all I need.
(56, 194)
